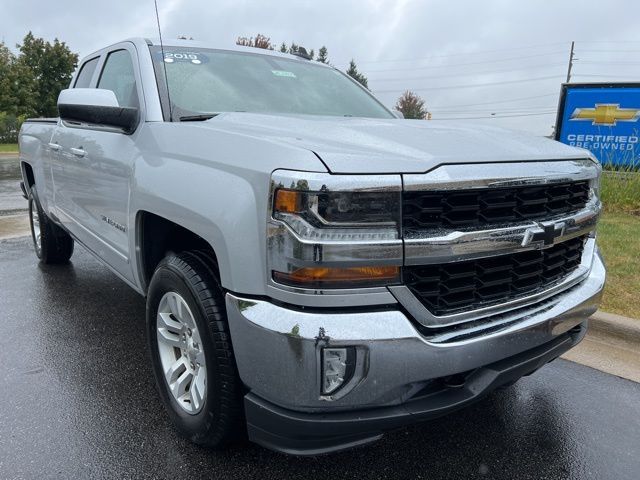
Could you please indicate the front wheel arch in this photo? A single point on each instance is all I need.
(157, 236)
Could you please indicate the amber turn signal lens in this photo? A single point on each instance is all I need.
(288, 201)
(321, 277)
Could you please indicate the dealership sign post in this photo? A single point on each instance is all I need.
(603, 118)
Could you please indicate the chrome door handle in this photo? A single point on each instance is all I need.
(78, 152)
(55, 147)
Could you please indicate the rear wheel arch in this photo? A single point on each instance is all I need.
(52, 244)
(27, 175)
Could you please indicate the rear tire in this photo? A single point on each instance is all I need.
(51, 243)
(191, 350)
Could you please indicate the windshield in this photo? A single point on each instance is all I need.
(206, 81)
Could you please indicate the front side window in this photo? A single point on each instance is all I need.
(83, 79)
(118, 76)
(206, 81)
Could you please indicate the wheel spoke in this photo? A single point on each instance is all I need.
(197, 388)
(185, 314)
(180, 310)
(200, 358)
(181, 385)
(175, 370)
(170, 338)
(168, 323)
(196, 338)
(172, 302)
(170, 331)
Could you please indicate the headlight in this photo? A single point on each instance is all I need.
(329, 232)
(344, 216)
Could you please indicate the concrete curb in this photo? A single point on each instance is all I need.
(611, 346)
(625, 328)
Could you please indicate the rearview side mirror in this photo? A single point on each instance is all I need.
(96, 106)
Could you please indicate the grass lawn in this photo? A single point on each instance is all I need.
(619, 240)
(8, 147)
(620, 192)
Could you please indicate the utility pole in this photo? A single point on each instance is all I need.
(570, 62)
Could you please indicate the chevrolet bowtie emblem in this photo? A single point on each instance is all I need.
(606, 114)
(543, 234)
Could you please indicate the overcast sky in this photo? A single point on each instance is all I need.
(466, 58)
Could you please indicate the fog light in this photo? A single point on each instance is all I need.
(337, 368)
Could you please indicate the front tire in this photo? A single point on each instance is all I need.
(191, 350)
(51, 244)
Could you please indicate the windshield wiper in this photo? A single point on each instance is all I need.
(197, 118)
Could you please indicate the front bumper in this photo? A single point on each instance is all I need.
(278, 356)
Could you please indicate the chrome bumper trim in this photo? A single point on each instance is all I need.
(487, 175)
(453, 246)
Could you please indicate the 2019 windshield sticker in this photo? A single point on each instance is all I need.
(185, 57)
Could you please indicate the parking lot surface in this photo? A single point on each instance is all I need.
(11, 200)
(78, 401)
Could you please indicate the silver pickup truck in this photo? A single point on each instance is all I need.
(317, 271)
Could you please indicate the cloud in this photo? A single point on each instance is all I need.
(439, 43)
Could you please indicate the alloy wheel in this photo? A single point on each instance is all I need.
(181, 352)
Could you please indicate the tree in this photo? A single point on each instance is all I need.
(17, 86)
(322, 55)
(51, 66)
(353, 72)
(411, 106)
(260, 41)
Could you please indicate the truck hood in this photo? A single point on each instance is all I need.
(362, 145)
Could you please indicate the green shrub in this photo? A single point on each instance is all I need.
(10, 127)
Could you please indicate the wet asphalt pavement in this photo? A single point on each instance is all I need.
(77, 400)
(11, 200)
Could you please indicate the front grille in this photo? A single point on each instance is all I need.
(490, 206)
(462, 286)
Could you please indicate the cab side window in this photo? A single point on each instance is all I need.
(118, 76)
(83, 80)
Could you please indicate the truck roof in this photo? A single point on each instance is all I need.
(140, 42)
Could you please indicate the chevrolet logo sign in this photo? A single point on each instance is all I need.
(606, 114)
(543, 234)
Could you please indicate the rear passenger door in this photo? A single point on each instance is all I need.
(94, 194)
(59, 169)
